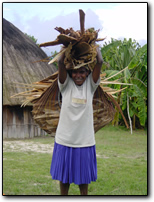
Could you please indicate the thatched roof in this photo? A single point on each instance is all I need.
(19, 55)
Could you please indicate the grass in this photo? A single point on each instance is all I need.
(121, 164)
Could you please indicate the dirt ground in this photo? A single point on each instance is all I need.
(22, 146)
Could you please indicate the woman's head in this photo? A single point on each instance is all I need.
(79, 75)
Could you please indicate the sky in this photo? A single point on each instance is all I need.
(115, 20)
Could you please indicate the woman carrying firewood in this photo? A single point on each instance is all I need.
(74, 155)
(80, 61)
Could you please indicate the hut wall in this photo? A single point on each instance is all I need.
(18, 123)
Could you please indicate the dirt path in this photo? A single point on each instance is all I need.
(22, 146)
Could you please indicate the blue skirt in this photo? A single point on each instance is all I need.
(74, 165)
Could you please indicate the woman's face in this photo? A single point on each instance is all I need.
(79, 75)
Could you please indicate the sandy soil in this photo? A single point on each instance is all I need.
(22, 146)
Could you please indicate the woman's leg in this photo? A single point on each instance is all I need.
(64, 188)
(83, 189)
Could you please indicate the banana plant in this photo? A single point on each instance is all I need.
(117, 56)
(138, 92)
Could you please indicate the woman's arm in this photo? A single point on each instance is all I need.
(97, 68)
(62, 69)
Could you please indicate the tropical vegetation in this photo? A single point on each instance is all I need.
(128, 54)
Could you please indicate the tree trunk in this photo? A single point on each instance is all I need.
(130, 121)
(116, 117)
(134, 119)
(115, 121)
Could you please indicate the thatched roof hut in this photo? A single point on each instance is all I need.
(19, 56)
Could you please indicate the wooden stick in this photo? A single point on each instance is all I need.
(82, 19)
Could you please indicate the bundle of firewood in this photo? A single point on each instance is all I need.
(79, 46)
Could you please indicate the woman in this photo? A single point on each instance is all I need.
(74, 155)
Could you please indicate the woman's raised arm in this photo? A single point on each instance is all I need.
(97, 68)
(62, 69)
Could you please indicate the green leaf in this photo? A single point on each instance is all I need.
(141, 85)
(142, 108)
(135, 60)
(126, 75)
